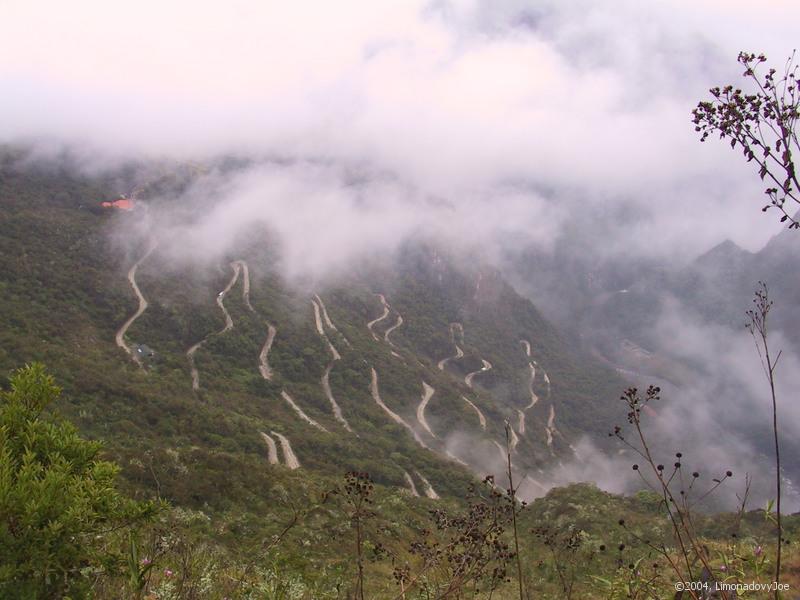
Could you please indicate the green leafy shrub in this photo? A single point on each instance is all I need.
(60, 512)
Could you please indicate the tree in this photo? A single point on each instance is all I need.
(764, 125)
(61, 515)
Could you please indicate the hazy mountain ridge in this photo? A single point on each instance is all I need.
(682, 326)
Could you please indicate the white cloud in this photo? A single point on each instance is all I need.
(451, 98)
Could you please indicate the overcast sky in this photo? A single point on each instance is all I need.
(461, 101)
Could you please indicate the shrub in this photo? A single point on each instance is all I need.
(60, 511)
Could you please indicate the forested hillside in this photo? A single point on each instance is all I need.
(238, 397)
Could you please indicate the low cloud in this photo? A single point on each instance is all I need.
(719, 419)
(324, 219)
(454, 100)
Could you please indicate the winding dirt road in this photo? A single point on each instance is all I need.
(454, 458)
(481, 418)
(236, 266)
(486, 367)
(427, 393)
(245, 284)
(553, 431)
(459, 352)
(410, 483)
(429, 491)
(391, 329)
(237, 269)
(321, 331)
(325, 316)
(328, 320)
(337, 411)
(512, 445)
(289, 457)
(120, 337)
(373, 388)
(502, 450)
(531, 404)
(290, 401)
(272, 449)
(398, 323)
(326, 384)
(385, 314)
(192, 368)
(514, 439)
(534, 397)
(263, 361)
(549, 428)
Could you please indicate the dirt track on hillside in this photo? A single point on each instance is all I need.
(427, 394)
(486, 367)
(385, 314)
(236, 266)
(120, 336)
(373, 388)
(289, 457)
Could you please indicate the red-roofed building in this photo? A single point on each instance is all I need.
(122, 204)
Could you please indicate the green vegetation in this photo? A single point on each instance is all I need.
(66, 297)
(232, 525)
(61, 514)
(69, 532)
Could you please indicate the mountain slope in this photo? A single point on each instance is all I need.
(69, 289)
